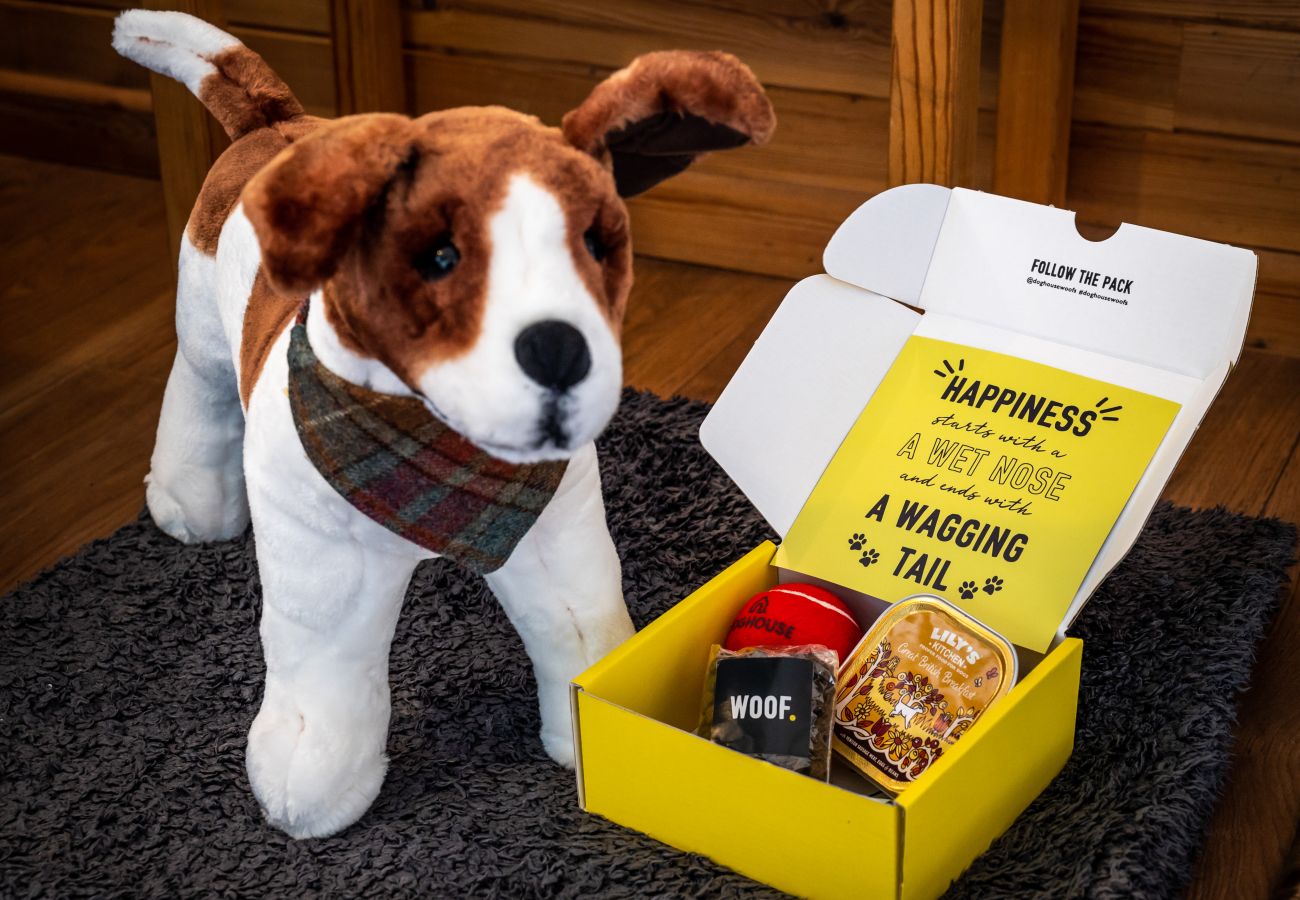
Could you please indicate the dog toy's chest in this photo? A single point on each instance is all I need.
(405, 469)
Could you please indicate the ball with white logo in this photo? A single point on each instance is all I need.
(792, 614)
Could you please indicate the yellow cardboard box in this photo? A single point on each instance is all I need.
(1152, 312)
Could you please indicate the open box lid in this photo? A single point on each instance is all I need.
(994, 273)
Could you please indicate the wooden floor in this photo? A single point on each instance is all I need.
(86, 326)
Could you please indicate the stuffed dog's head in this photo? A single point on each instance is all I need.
(485, 258)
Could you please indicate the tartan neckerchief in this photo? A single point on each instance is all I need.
(392, 459)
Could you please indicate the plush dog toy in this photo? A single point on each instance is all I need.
(398, 339)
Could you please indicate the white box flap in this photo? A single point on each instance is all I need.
(786, 410)
(1160, 299)
(1154, 311)
(885, 244)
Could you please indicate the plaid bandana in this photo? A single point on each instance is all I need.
(397, 463)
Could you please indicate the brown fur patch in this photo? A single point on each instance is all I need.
(350, 206)
(232, 170)
(353, 205)
(336, 313)
(715, 86)
(245, 94)
(307, 205)
(265, 319)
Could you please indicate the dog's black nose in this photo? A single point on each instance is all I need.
(553, 353)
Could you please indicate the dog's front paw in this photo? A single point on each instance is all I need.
(166, 512)
(309, 783)
(559, 746)
(206, 509)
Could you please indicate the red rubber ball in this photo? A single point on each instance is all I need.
(791, 614)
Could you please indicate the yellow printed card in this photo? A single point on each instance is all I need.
(984, 478)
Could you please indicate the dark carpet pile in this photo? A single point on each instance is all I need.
(130, 672)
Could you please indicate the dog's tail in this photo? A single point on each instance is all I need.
(233, 82)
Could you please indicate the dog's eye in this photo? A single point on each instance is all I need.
(438, 259)
(595, 246)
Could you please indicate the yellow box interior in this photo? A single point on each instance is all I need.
(641, 765)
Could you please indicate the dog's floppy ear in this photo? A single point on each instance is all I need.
(651, 120)
(309, 203)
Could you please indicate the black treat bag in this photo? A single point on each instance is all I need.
(773, 703)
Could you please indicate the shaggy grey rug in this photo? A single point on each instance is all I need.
(129, 674)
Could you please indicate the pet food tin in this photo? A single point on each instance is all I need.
(921, 677)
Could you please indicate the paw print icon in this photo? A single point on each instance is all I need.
(869, 557)
(967, 589)
(992, 585)
(857, 541)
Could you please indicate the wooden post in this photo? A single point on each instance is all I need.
(368, 71)
(1035, 95)
(189, 139)
(934, 92)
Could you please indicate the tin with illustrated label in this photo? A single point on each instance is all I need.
(921, 678)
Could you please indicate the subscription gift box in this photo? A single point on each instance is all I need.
(1001, 449)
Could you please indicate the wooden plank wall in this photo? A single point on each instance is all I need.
(768, 210)
(66, 96)
(1187, 118)
(826, 66)
(1186, 112)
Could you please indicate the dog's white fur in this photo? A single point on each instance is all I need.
(332, 579)
(171, 43)
(485, 394)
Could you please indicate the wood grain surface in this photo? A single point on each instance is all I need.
(934, 90)
(1035, 99)
(837, 48)
(367, 42)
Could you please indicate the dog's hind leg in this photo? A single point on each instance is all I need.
(562, 590)
(196, 477)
